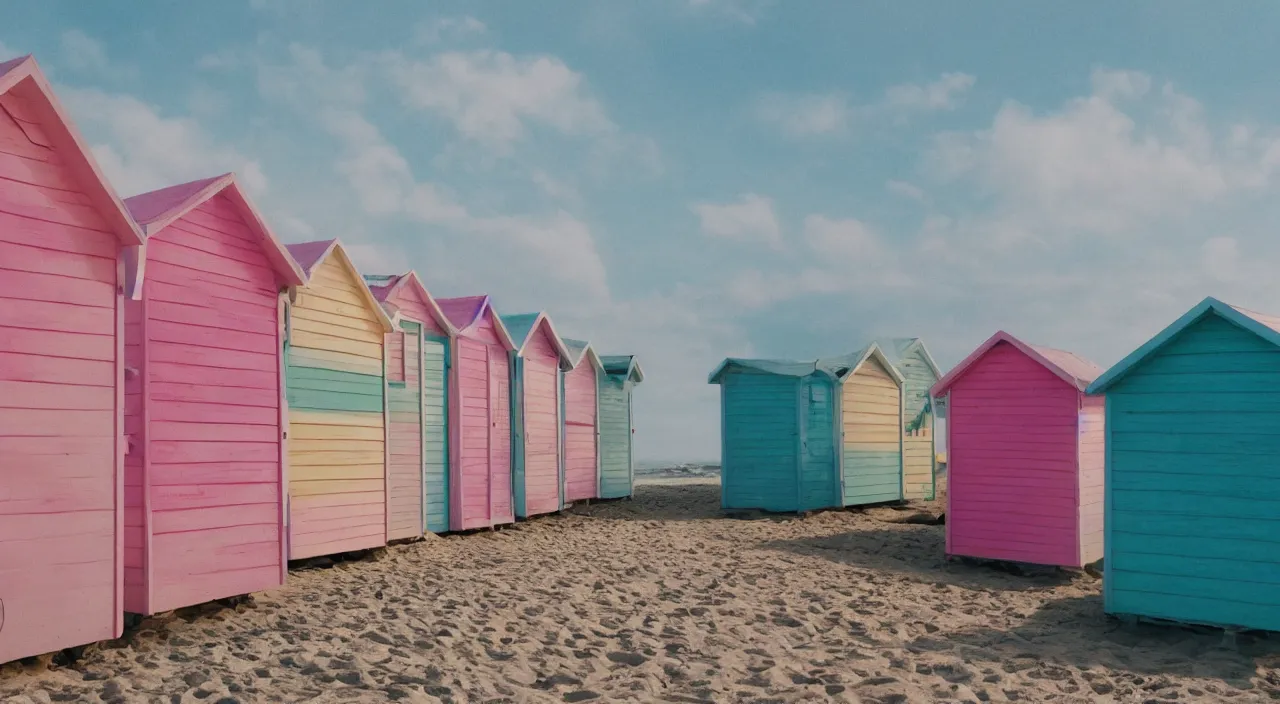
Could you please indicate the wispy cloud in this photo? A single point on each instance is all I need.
(751, 218)
(833, 113)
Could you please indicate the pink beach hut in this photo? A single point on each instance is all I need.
(68, 253)
(480, 491)
(205, 471)
(417, 380)
(1025, 460)
(582, 423)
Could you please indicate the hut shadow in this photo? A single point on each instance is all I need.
(1075, 632)
(918, 551)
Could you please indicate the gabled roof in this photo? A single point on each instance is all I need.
(309, 255)
(156, 210)
(896, 349)
(1265, 326)
(464, 312)
(523, 326)
(384, 286)
(1073, 369)
(578, 349)
(625, 365)
(838, 368)
(58, 127)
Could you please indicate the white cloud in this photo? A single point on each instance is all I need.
(494, 97)
(905, 189)
(555, 188)
(942, 94)
(1114, 85)
(842, 240)
(140, 150)
(823, 114)
(306, 80)
(444, 29)
(750, 219)
(82, 52)
(1221, 258)
(804, 115)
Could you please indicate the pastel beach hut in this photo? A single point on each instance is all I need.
(418, 403)
(581, 422)
(808, 435)
(68, 259)
(617, 425)
(1025, 460)
(334, 350)
(540, 357)
(480, 491)
(919, 450)
(205, 471)
(1193, 487)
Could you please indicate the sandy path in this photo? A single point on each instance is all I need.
(660, 599)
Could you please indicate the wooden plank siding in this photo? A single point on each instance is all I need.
(435, 407)
(819, 486)
(581, 456)
(760, 429)
(918, 451)
(1012, 459)
(872, 436)
(404, 405)
(540, 424)
(337, 432)
(1193, 488)
(615, 436)
(482, 481)
(61, 382)
(205, 416)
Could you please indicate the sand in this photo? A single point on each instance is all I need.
(662, 599)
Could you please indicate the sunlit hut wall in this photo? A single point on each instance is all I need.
(336, 395)
(617, 425)
(540, 357)
(417, 399)
(480, 493)
(1025, 461)
(581, 423)
(67, 257)
(919, 446)
(1193, 488)
(205, 474)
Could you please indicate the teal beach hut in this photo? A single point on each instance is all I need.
(1192, 482)
(617, 425)
(800, 436)
(919, 450)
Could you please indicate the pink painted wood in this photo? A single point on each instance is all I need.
(205, 474)
(581, 454)
(1025, 460)
(541, 421)
(480, 397)
(65, 265)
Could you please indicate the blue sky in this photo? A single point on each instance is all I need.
(693, 179)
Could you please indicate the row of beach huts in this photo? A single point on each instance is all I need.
(1165, 467)
(186, 404)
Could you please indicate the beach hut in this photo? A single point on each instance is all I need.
(417, 400)
(335, 377)
(480, 492)
(800, 436)
(581, 427)
(68, 258)
(205, 475)
(1193, 486)
(540, 357)
(1024, 453)
(617, 425)
(919, 373)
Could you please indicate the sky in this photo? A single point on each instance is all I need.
(687, 180)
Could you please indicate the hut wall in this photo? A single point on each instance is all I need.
(872, 431)
(818, 487)
(435, 406)
(404, 404)
(1092, 463)
(1193, 486)
(541, 432)
(204, 483)
(581, 458)
(61, 377)
(918, 454)
(615, 436)
(760, 430)
(337, 435)
(482, 482)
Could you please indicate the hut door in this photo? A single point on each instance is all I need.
(491, 430)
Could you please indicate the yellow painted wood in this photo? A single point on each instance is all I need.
(340, 472)
(329, 488)
(329, 446)
(335, 433)
(337, 361)
(872, 414)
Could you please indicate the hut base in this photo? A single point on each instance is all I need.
(1229, 633)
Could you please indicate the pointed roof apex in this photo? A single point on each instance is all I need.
(1071, 368)
(384, 286)
(309, 254)
(581, 349)
(465, 311)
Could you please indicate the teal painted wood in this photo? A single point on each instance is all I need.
(615, 436)
(919, 376)
(435, 404)
(818, 454)
(517, 434)
(871, 477)
(315, 389)
(1192, 487)
(761, 466)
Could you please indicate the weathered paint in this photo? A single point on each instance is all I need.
(338, 464)
(617, 425)
(540, 357)
(1022, 447)
(480, 466)
(799, 436)
(1192, 488)
(871, 420)
(64, 236)
(919, 450)
(581, 427)
(417, 379)
(204, 476)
